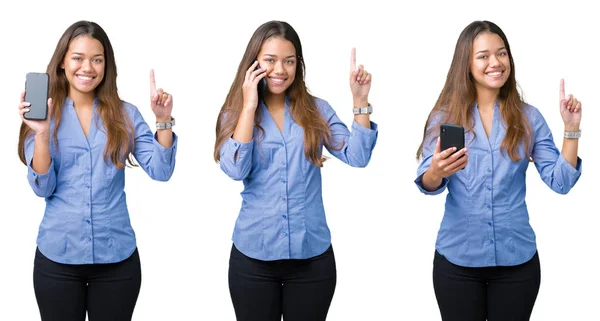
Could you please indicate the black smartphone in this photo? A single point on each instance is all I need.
(452, 136)
(262, 86)
(36, 93)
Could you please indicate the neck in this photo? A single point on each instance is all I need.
(82, 100)
(486, 98)
(274, 101)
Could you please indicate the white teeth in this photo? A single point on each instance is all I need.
(495, 73)
(84, 77)
(279, 81)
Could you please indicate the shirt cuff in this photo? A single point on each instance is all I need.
(242, 149)
(419, 182)
(40, 180)
(166, 153)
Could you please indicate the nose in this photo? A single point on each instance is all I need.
(86, 65)
(278, 68)
(494, 61)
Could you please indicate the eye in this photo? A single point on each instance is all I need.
(482, 57)
(504, 53)
(290, 62)
(270, 60)
(97, 60)
(77, 58)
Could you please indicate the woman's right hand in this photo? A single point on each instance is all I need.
(445, 163)
(39, 127)
(250, 86)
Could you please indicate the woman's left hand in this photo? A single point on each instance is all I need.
(360, 80)
(570, 109)
(161, 102)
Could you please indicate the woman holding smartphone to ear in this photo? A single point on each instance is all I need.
(282, 261)
(486, 264)
(87, 258)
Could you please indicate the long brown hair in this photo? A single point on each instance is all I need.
(303, 108)
(459, 95)
(119, 128)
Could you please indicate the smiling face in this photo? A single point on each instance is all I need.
(278, 56)
(490, 63)
(84, 65)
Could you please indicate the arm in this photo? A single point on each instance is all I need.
(436, 166)
(554, 168)
(37, 152)
(236, 152)
(156, 160)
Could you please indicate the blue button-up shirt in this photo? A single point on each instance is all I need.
(486, 222)
(86, 219)
(282, 214)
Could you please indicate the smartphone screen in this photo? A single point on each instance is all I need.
(452, 136)
(36, 93)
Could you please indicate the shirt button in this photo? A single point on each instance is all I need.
(490, 223)
(283, 180)
(491, 241)
(234, 144)
(488, 206)
(89, 238)
(87, 185)
(87, 204)
(284, 234)
(489, 170)
(284, 216)
(88, 221)
(282, 162)
(283, 199)
(488, 187)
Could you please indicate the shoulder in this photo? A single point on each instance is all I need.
(533, 114)
(324, 107)
(132, 111)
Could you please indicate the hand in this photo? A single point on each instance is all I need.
(444, 163)
(360, 82)
(161, 102)
(39, 127)
(250, 86)
(570, 109)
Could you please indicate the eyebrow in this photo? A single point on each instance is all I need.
(485, 51)
(270, 55)
(79, 53)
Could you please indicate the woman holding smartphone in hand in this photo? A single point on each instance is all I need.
(282, 261)
(87, 250)
(486, 264)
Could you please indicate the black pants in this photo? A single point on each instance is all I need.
(502, 293)
(64, 292)
(300, 290)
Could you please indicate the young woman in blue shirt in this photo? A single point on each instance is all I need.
(270, 134)
(87, 259)
(486, 264)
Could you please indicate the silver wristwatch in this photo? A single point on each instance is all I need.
(166, 125)
(575, 134)
(363, 110)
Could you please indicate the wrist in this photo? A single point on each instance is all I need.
(43, 136)
(360, 101)
(163, 119)
(571, 128)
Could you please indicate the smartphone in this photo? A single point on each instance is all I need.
(36, 93)
(262, 85)
(452, 136)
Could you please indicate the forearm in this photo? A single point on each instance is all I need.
(245, 126)
(41, 154)
(570, 147)
(362, 119)
(430, 182)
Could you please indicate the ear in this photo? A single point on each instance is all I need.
(62, 66)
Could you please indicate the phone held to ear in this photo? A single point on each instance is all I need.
(36, 93)
(262, 85)
(452, 136)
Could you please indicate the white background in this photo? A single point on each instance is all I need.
(383, 229)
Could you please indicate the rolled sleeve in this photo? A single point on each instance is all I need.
(236, 158)
(353, 148)
(43, 185)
